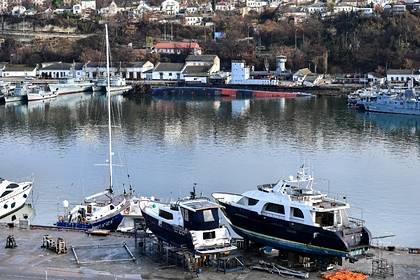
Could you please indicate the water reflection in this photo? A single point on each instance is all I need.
(168, 143)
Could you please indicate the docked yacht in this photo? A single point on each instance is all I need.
(291, 215)
(70, 85)
(117, 85)
(39, 93)
(18, 94)
(406, 102)
(192, 222)
(102, 210)
(13, 196)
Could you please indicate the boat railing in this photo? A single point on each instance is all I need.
(356, 221)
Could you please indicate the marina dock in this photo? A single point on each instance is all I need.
(30, 261)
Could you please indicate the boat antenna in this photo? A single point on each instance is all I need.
(193, 195)
(108, 93)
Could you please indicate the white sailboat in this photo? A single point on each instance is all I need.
(102, 210)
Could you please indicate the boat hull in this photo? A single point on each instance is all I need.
(388, 109)
(66, 89)
(110, 223)
(35, 97)
(21, 98)
(164, 231)
(287, 235)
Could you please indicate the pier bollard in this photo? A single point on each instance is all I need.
(10, 242)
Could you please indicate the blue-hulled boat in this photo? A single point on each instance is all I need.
(101, 210)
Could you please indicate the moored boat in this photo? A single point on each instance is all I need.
(192, 222)
(18, 94)
(39, 93)
(70, 85)
(407, 102)
(291, 215)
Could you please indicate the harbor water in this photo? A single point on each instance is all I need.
(164, 145)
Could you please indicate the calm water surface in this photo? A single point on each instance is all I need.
(167, 145)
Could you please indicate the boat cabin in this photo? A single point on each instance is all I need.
(200, 214)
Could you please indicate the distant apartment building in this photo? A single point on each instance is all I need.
(171, 47)
(170, 7)
(84, 7)
(193, 20)
(3, 6)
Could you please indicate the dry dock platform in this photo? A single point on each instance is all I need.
(106, 257)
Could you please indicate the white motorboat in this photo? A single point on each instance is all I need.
(18, 94)
(70, 85)
(39, 93)
(117, 85)
(13, 196)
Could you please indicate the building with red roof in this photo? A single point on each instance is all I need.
(171, 47)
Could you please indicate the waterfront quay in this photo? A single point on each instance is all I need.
(99, 260)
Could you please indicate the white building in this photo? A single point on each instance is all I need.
(129, 70)
(191, 9)
(402, 75)
(256, 5)
(3, 6)
(193, 20)
(204, 60)
(61, 70)
(167, 71)
(18, 70)
(111, 10)
(199, 68)
(170, 7)
(317, 8)
(224, 7)
(241, 75)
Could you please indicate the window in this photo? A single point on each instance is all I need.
(12, 186)
(209, 235)
(186, 215)
(208, 216)
(111, 207)
(324, 218)
(5, 206)
(165, 215)
(5, 193)
(297, 213)
(13, 205)
(252, 201)
(275, 208)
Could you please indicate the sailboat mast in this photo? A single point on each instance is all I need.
(108, 93)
